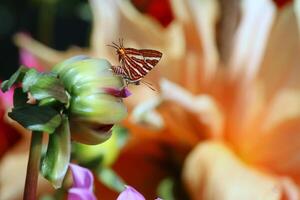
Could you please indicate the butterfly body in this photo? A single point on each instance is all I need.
(135, 63)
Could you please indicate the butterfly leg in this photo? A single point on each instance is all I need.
(149, 85)
(125, 82)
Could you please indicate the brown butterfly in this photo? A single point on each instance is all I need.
(135, 63)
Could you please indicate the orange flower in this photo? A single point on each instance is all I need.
(240, 95)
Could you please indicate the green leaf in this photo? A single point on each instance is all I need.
(30, 79)
(47, 197)
(109, 178)
(49, 101)
(20, 97)
(42, 85)
(56, 161)
(166, 189)
(16, 77)
(36, 118)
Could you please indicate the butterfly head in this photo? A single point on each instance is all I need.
(119, 47)
(121, 51)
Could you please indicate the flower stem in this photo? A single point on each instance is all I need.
(33, 166)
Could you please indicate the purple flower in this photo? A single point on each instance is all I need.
(131, 194)
(82, 188)
(83, 180)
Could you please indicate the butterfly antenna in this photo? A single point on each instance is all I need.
(122, 40)
(112, 46)
(149, 85)
(118, 46)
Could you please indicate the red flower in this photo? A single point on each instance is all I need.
(158, 9)
(8, 134)
(281, 3)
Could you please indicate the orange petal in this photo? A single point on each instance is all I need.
(277, 145)
(249, 45)
(146, 113)
(280, 65)
(297, 12)
(289, 99)
(204, 107)
(213, 172)
(278, 150)
(226, 27)
(205, 14)
(142, 164)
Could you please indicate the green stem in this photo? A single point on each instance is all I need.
(33, 166)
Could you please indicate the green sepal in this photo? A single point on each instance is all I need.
(122, 135)
(15, 78)
(104, 154)
(49, 101)
(36, 118)
(29, 79)
(56, 160)
(68, 63)
(110, 179)
(85, 71)
(20, 97)
(44, 85)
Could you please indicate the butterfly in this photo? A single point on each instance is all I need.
(135, 63)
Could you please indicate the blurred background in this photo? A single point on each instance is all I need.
(57, 24)
(61, 24)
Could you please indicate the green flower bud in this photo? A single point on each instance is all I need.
(95, 97)
(102, 108)
(107, 152)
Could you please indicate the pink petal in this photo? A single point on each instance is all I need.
(121, 93)
(82, 177)
(7, 98)
(130, 194)
(80, 194)
(27, 59)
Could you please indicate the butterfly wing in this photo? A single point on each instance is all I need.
(132, 68)
(118, 70)
(137, 63)
(151, 57)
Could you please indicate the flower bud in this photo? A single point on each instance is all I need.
(94, 106)
(106, 152)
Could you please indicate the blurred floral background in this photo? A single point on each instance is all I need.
(224, 121)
